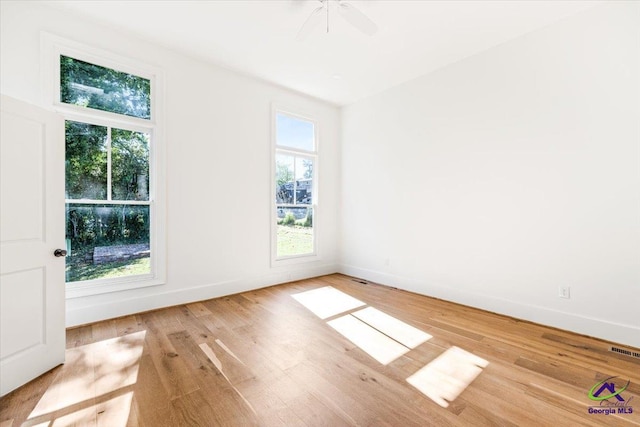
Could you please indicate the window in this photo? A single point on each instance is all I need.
(112, 158)
(101, 88)
(294, 186)
(107, 202)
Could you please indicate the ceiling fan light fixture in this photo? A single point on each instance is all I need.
(348, 12)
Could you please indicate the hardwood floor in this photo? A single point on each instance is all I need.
(264, 358)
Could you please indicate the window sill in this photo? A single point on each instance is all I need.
(295, 259)
(103, 286)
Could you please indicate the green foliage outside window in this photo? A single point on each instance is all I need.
(101, 88)
(129, 165)
(86, 161)
(89, 226)
(106, 166)
(87, 167)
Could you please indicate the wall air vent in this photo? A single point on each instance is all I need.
(634, 354)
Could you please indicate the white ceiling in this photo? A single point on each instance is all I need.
(259, 37)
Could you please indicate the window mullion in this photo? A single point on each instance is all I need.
(295, 183)
(108, 202)
(96, 119)
(295, 151)
(109, 163)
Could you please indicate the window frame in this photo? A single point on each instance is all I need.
(52, 48)
(296, 153)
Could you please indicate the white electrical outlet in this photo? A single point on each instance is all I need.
(564, 292)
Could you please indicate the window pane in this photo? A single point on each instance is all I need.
(86, 161)
(294, 133)
(295, 231)
(304, 181)
(105, 241)
(284, 178)
(93, 86)
(129, 165)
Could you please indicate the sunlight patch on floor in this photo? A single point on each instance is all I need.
(444, 378)
(378, 334)
(90, 373)
(373, 342)
(113, 413)
(405, 334)
(327, 301)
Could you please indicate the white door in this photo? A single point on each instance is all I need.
(32, 300)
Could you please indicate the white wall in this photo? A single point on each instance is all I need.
(495, 180)
(218, 169)
(490, 182)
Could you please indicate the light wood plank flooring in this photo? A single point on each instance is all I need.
(263, 358)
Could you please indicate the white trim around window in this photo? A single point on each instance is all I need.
(52, 47)
(314, 205)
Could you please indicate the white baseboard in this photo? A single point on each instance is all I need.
(598, 328)
(130, 305)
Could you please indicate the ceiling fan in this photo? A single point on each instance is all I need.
(349, 12)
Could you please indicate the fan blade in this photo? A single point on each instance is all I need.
(299, 4)
(357, 19)
(312, 22)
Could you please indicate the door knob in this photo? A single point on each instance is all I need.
(60, 252)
